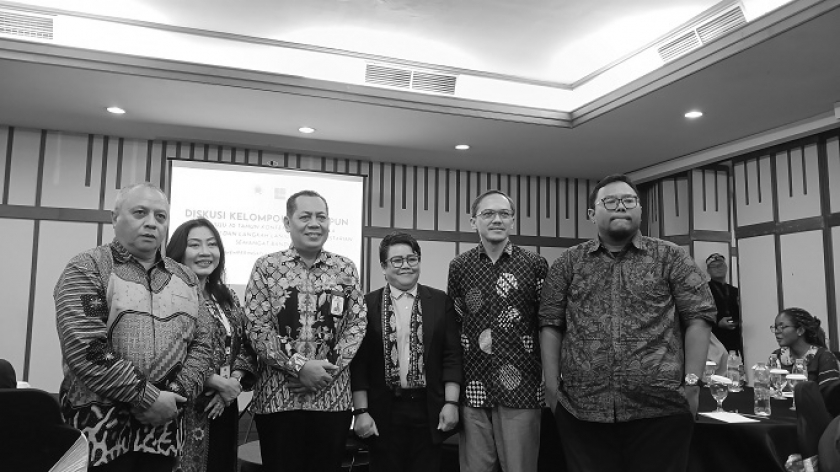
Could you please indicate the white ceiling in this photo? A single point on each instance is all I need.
(758, 78)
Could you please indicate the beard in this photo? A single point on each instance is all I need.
(623, 232)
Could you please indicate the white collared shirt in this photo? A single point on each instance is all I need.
(403, 301)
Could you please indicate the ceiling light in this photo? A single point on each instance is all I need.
(306, 130)
(694, 114)
(462, 147)
(116, 110)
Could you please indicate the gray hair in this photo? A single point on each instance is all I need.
(123, 193)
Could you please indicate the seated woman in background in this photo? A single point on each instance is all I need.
(800, 337)
(212, 421)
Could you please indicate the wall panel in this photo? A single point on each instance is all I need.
(426, 198)
(70, 174)
(6, 134)
(23, 176)
(675, 204)
(832, 150)
(382, 192)
(585, 228)
(527, 205)
(467, 184)
(566, 208)
(16, 254)
(447, 192)
(835, 241)
(758, 296)
(710, 200)
(435, 266)
(753, 191)
(797, 183)
(803, 272)
(404, 198)
(57, 243)
(551, 253)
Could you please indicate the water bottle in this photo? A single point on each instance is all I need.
(761, 388)
(733, 371)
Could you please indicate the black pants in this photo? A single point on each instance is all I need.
(407, 446)
(645, 445)
(137, 462)
(303, 441)
(224, 432)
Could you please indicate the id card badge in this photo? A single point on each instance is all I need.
(225, 371)
(337, 305)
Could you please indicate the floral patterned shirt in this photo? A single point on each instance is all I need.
(295, 313)
(623, 319)
(497, 307)
(820, 363)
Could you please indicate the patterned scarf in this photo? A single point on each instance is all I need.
(415, 377)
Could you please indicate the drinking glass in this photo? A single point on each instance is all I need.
(792, 380)
(720, 389)
(799, 367)
(711, 367)
(777, 382)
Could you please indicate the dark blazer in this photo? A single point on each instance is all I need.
(441, 352)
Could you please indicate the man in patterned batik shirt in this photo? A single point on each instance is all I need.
(625, 324)
(496, 289)
(306, 318)
(135, 338)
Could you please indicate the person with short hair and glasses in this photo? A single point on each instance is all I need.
(406, 376)
(496, 288)
(625, 325)
(800, 337)
(728, 303)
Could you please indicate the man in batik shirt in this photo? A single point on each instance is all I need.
(625, 324)
(306, 318)
(496, 289)
(135, 338)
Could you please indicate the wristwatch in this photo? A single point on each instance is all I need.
(692, 380)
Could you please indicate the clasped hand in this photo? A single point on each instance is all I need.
(315, 375)
(162, 411)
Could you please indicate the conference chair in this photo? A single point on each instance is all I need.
(34, 437)
(812, 417)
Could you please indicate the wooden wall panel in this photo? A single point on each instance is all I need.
(435, 265)
(803, 272)
(382, 192)
(651, 209)
(6, 139)
(447, 207)
(753, 191)
(137, 157)
(551, 253)
(835, 241)
(70, 172)
(15, 280)
(528, 203)
(832, 149)
(404, 198)
(58, 242)
(548, 211)
(23, 176)
(758, 296)
(675, 204)
(427, 197)
(585, 228)
(467, 183)
(710, 199)
(566, 208)
(798, 183)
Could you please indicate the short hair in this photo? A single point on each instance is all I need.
(593, 195)
(800, 317)
(291, 202)
(123, 193)
(478, 199)
(177, 248)
(397, 237)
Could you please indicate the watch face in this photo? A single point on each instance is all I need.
(691, 379)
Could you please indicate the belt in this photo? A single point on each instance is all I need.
(410, 394)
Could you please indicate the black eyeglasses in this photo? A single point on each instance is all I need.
(397, 262)
(780, 328)
(489, 215)
(611, 203)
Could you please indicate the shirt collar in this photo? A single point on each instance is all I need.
(396, 293)
(594, 244)
(507, 250)
(323, 256)
(122, 255)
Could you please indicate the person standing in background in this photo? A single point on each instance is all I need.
(306, 317)
(212, 421)
(496, 289)
(728, 302)
(136, 340)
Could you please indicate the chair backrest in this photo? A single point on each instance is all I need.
(33, 436)
(812, 417)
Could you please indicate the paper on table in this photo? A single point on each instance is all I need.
(728, 417)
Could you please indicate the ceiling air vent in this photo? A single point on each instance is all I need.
(26, 25)
(410, 79)
(702, 32)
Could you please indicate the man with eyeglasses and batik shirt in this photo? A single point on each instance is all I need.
(496, 288)
(625, 325)
(406, 376)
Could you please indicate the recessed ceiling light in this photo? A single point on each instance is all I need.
(462, 147)
(306, 130)
(694, 114)
(116, 110)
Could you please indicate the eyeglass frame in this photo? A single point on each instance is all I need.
(621, 201)
(779, 329)
(490, 215)
(403, 261)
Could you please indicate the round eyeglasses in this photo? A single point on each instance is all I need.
(611, 203)
(397, 262)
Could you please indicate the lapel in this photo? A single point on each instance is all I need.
(429, 319)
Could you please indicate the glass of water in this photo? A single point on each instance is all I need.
(719, 386)
(777, 382)
(792, 380)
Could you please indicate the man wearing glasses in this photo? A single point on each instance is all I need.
(496, 288)
(625, 325)
(406, 376)
(728, 326)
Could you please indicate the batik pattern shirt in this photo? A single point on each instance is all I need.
(622, 319)
(294, 314)
(126, 334)
(497, 306)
